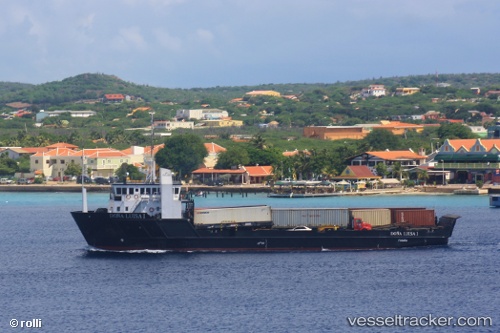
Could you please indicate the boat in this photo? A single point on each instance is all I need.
(158, 216)
(303, 189)
(474, 190)
(494, 196)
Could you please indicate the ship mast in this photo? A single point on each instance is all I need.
(150, 177)
(84, 190)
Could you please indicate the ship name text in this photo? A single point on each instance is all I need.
(127, 216)
(404, 233)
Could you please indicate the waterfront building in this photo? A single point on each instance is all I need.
(470, 160)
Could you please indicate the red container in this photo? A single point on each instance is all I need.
(415, 217)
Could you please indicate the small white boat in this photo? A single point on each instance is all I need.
(494, 194)
(494, 200)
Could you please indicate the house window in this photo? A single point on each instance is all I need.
(36, 161)
(47, 162)
(53, 161)
(62, 161)
(103, 162)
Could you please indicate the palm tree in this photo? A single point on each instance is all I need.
(397, 170)
(329, 172)
(422, 175)
(258, 142)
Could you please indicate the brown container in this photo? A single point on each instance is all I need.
(415, 217)
(394, 210)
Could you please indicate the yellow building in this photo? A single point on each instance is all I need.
(263, 93)
(358, 132)
(399, 128)
(335, 132)
(223, 123)
(407, 91)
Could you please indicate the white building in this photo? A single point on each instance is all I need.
(374, 90)
(75, 114)
(172, 125)
(205, 114)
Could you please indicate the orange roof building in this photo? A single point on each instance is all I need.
(470, 160)
(357, 172)
(53, 160)
(468, 146)
(114, 97)
(62, 145)
(407, 158)
(243, 175)
(213, 150)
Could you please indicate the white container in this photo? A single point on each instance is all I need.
(232, 215)
(313, 217)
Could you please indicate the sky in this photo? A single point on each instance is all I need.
(210, 43)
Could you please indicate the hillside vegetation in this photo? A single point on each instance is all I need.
(315, 104)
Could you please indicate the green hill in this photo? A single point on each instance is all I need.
(94, 86)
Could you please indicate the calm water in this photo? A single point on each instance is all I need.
(48, 274)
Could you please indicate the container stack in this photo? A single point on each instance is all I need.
(233, 215)
(311, 217)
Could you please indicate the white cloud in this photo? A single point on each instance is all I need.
(197, 40)
(130, 39)
(204, 36)
(167, 41)
(87, 21)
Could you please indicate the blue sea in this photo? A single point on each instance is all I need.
(49, 278)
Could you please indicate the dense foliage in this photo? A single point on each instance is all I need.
(182, 153)
(121, 125)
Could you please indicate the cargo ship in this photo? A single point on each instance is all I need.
(156, 216)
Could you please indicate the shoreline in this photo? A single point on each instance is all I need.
(72, 187)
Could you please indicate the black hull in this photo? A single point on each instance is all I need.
(122, 232)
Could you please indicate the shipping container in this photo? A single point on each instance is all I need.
(418, 218)
(395, 210)
(312, 217)
(232, 215)
(376, 217)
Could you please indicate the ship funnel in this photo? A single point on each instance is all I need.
(171, 205)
